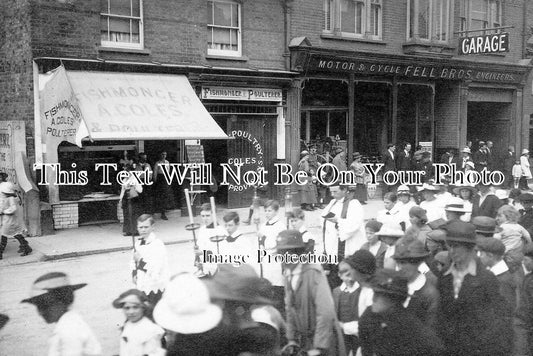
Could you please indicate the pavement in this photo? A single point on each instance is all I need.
(104, 238)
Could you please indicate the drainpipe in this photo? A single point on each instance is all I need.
(287, 7)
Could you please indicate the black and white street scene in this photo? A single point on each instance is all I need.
(266, 177)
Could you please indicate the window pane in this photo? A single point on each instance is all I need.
(359, 17)
(423, 18)
(103, 29)
(120, 7)
(136, 8)
(412, 16)
(222, 13)
(440, 20)
(104, 6)
(234, 40)
(347, 16)
(479, 14)
(375, 23)
(234, 15)
(327, 14)
(209, 12)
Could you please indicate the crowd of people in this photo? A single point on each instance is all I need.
(440, 270)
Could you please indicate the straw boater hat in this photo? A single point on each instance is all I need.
(410, 250)
(466, 150)
(456, 205)
(427, 187)
(458, 188)
(43, 285)
(390, 232)
(403, 190)
(525, 151)
(185, 307)
(460, 231)
(357, 155)
(388, 281)
(304, 153)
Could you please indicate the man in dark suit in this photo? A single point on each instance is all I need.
(508, 163)
(490, 155)
(480, 157)
(485, 203)
(404, 159)
(389, 164)
(472, 317)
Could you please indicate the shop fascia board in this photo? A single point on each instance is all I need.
(409, 60)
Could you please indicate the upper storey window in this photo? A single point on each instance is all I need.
(224, 28)
(428, 20)
(121, 23)
(353, 18)
(481, 14)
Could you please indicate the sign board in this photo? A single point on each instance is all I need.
(195, 153)
(248, 94)
(426, 146)
(494, 43)
(12, 140)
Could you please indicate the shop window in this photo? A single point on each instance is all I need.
(121, 23)
(428, 20)
(224, 28)
(353, 18)
(481, 14)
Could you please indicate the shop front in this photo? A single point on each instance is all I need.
(92, 122)
(370, 100)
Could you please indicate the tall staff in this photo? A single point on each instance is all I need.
(192, 226)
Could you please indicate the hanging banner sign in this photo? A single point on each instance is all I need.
(60, 112)
(249, 94)
(495, 43)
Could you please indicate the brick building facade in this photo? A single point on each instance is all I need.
(369, 72)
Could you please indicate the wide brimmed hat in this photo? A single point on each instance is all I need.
(7, 188)
(456, 205)
(123, 298)
(410, 250)
(362, 261)
(391, 282)
(484, 224)
(458, 188)
(389, 231)
(304, 153)
(185, 307)
(466, 150)
(48, 282)
(240, 284)
(427, 187)
(403, 190)
(357, 155)
(289, 240)
(525, 151)
(524, 197)
(460, 231)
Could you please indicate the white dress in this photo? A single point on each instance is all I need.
(141, 338)
(73, 337)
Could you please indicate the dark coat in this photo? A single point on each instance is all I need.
(380, 256)
(508, 162)
(311, 318)
(351, 341)
(403, 161)
(508, 290)
(396, 332)
(490, 206)
(389, 164)
(480, 160)
(476, 322)
(424, 304)
(523, 318)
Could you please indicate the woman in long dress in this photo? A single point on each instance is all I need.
(163, 196)
(307, 192)
(359, 170)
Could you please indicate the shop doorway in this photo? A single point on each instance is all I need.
(489, 121)
(253, 144)
(415, 114)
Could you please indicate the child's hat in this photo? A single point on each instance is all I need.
(124, 297)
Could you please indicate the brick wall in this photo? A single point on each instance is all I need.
(16, 71)
(447, 113)
(65, 216)
(175, 32)
(308, 20)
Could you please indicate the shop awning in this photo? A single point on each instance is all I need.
(137, 106)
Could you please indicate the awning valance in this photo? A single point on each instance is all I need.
(138, 106)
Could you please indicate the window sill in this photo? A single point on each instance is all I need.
(124, 50)
(227, 58)
(438, 49)
(329, 36)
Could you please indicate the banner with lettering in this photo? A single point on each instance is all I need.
(61, 117)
